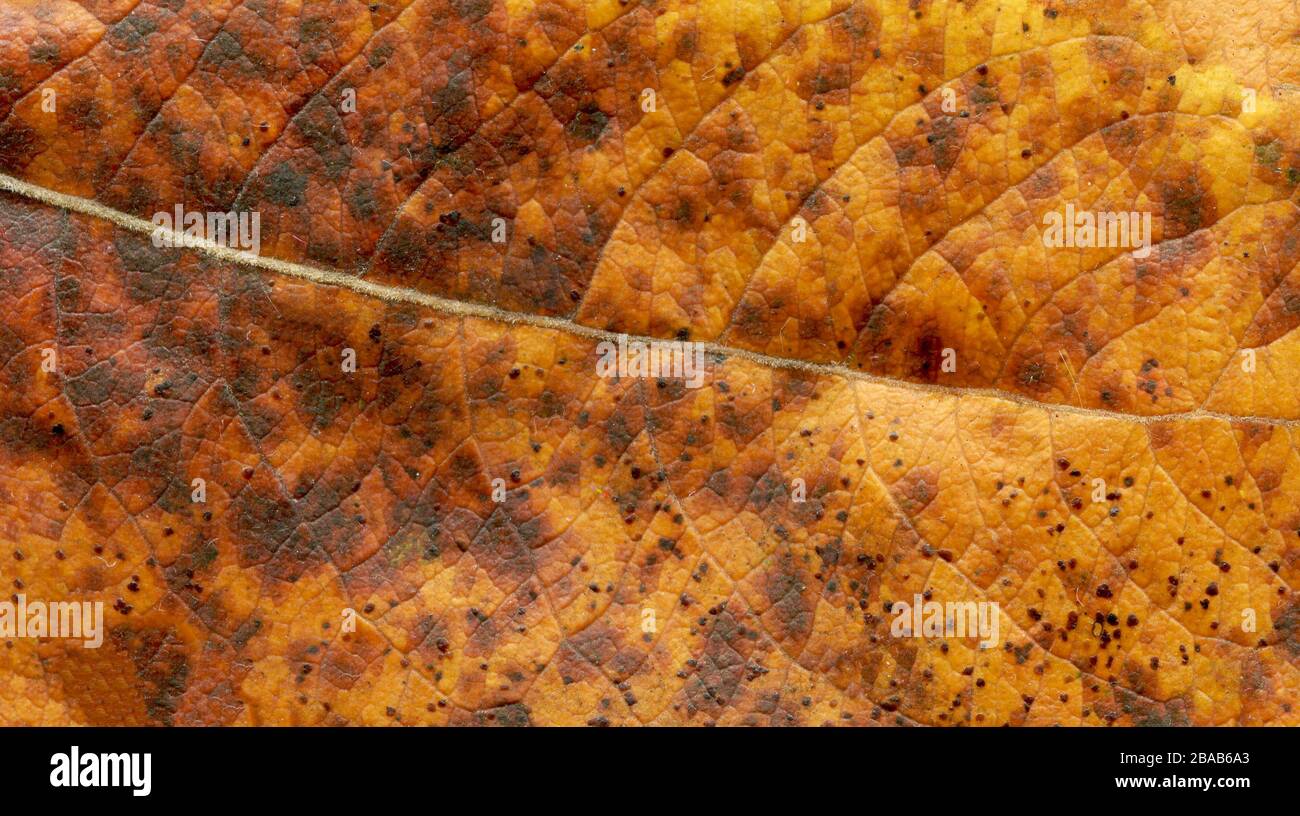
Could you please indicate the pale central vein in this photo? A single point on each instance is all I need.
(462, 309)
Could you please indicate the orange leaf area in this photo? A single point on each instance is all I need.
(373, 476)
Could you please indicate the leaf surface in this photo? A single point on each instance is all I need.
(635, 500)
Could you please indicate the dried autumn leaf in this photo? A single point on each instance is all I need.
(728, 554)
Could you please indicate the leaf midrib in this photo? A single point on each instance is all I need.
(461, 309)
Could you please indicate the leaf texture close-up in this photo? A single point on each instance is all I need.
(373, 466)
